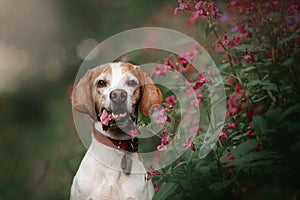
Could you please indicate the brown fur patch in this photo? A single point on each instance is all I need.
(106, 68)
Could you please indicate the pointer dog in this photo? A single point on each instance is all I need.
(111, 95)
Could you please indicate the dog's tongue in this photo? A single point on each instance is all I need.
(105, 117)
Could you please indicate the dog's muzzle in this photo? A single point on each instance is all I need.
(117, 116)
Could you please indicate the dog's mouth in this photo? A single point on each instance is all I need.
(114, 119)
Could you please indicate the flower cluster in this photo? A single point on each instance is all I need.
(134, 131)
(234, 106)
(189, 143)
(163, 117)
(249, 57)
(164, 143)
(256, 44)
(200, 9)
(202, 79)
(150, 172)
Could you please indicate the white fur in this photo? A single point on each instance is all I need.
(117, 80)
(99, 175)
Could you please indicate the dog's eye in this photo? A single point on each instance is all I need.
(132, 83)
(101, 83)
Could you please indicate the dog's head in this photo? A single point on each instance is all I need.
(111, 93)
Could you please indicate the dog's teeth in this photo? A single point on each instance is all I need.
(116, 116)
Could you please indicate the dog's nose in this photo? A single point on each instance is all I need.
(118, 95)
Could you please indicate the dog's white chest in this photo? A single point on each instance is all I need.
(104, 179)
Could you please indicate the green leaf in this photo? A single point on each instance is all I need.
(289, 38)
(165, 190)
(288, 62)
(253, 83)
(255, 159)
(249, 47)
(222, 67)
(273, 115)
(221, 185)
(247, 69)
(266, 85)
(289, 111)
(244, 148)
(259, 125)
(209, 28)
(269, 86)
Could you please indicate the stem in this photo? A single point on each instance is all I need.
(234, 76)
(230, 59)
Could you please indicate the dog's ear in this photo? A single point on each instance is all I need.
(151, 95)
(81, 98)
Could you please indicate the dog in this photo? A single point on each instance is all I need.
(111, 95)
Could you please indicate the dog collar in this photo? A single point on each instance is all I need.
(130, 145)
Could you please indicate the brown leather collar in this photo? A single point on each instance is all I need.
(130, 145)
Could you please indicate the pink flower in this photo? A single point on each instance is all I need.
(294, 6)
(195, 15)
(219, 47)
(251, 112)
(229, 81)
(223, 135)
(167, 62)
(200, 5)
(248, 57)
(165, 139)
(233, 107)
(134, 131)
(191, 54)
(163, 117)
(159, 71)
(182, 6)
(198, 84)
(228, 41)
(183, 61)
(202, 80)
(150, 172)
(199, 98)
(200, 11)
(170, 101)
(270, 54)
(155, 186)
(233, 3)
(230, 158)
(162, 147)
(188, 143)
(195, 103)
(215, 11)
(250, 133)
(244, 31)
(238, 92)
(238, 39)
(250, 124)
(164, 143)
(231, 125)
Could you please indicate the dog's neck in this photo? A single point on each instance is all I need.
(115, 134)
(104, 137)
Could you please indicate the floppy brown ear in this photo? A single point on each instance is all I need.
(151, 95)
(81, 98)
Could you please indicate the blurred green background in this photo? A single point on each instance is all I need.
(42, 44)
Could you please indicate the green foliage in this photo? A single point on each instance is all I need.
(260, 153)
(166, 190)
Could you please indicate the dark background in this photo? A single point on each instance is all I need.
(42, 44)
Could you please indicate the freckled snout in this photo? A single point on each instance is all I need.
(118, 96)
